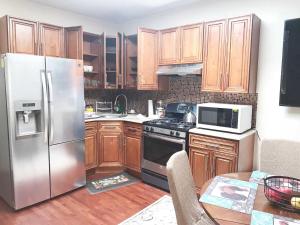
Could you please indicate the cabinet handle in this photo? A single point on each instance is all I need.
(132, 129)
(212, 146)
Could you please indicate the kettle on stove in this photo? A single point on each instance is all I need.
(189, 117)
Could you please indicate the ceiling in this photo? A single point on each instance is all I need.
(116, 10)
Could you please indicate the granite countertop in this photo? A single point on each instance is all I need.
(221, 134)
(129, 118)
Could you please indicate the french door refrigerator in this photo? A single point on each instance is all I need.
(41, 128)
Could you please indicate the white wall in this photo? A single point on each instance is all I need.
(273, 121)
(38, 12)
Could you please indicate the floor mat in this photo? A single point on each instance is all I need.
(110, 183)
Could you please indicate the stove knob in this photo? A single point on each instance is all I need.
(171, 133)
(147, 128)
(177, 134)
(152, 129)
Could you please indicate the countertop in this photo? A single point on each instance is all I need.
(221, 134)
(129, 118)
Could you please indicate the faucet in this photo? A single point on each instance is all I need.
(125, 102)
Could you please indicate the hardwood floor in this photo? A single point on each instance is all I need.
(81, 208)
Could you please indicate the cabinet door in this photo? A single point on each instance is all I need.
(110, 154)
(147, 59)
(90, 149)
(74, 42)
(169, 46)
(133, 153)
(223, 163)
(52, 40)
(192, 43)
(238, 55)
(23, 36)
(214, 44)
(200, 166)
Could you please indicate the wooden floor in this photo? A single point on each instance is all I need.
(81, 208)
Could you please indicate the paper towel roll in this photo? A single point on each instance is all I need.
(150, 108)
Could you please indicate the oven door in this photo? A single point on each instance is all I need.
(157, 149)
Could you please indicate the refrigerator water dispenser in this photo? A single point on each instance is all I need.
(28, 118)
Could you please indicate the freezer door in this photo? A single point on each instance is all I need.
(24, 75)
(66, 100)
(67, 167)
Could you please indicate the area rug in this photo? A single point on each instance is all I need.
(160, 212)
(110, 183)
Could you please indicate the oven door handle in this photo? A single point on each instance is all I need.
(173, 140)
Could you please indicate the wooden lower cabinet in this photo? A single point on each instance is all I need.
(110, 139)
(200, 166)
(112, 146)
(211, 156)
(91, 161)
(132, 146)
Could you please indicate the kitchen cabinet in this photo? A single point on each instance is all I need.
(110, 137)
(191, 43)
(147, 62)
(213, 156)
(130, 61)
(18, 36)
(91, 146)
(74, 42)
(132, 146)
(92, 44)
(51, 40)
(213, 57)
(147, 59)
(231, 55)
(200, 166)
(169, 46)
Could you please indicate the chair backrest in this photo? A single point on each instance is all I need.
(183, 191)
(280, 157)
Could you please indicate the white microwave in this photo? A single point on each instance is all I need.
(224, 117)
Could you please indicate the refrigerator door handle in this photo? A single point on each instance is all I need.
(45, 104)
(50, 89)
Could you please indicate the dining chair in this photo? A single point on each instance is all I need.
(280, 157)
(187, 207)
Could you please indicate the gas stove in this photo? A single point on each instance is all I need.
(168, 126)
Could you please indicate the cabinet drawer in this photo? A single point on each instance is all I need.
(133, 129)
(216, 144)
(110, 126)
(89, 126)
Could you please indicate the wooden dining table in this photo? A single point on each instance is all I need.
(229, 217)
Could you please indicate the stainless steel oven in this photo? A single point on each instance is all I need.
(158, 149)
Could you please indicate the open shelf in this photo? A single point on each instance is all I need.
(91, 73)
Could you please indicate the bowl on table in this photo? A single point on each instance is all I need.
(283, 191)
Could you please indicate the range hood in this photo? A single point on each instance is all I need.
(180, 70)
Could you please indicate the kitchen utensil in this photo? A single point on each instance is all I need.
(189, 117)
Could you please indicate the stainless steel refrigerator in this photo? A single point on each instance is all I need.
(41, 128)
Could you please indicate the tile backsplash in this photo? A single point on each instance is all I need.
(182, 89)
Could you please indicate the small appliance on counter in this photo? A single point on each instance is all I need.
(161, 139)
(160, 109)
(224, 117)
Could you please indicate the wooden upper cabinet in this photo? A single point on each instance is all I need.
(51, 40)
(18, 36)
(191, 43)
(147, 59)
(169, 46)
(242, 42)
(74, 42)
(214, 44)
